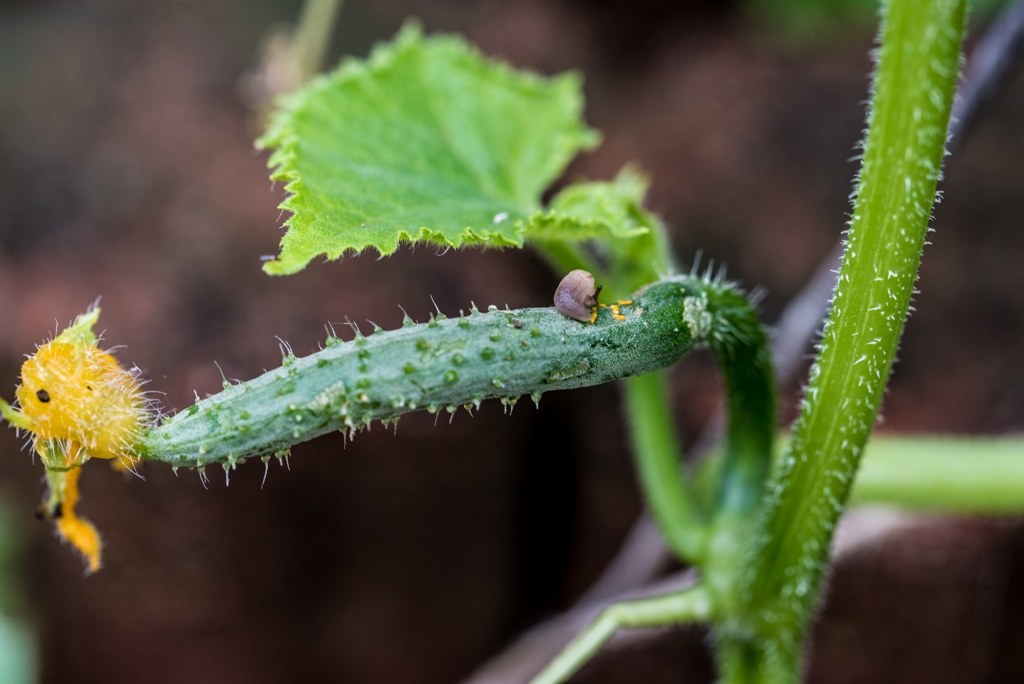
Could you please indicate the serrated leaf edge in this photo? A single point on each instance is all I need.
(281, 137)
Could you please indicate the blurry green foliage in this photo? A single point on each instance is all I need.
(810, 21)
(18, 659)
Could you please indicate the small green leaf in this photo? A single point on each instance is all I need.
(425, 141)
(80, 332)
(593, 210)
(626, 245)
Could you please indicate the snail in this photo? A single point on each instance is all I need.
(576, 296)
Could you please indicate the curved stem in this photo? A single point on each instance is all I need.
(745, 360)
(741, 348)
(689, 605)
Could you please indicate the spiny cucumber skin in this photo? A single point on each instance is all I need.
(445, 363)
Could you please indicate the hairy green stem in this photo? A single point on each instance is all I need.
(913, 92)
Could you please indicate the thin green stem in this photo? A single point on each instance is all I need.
(13, 416)
(913, 92)
(648, 408)
(690, 605)
(313, 35)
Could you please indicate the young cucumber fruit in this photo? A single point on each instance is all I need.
(444, 364)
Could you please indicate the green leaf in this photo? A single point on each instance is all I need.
(425, 141)
(593, 210)
(603, 228)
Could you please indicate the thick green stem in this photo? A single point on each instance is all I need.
(913, 91)
(943, 474)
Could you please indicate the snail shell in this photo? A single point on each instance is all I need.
(576, 294)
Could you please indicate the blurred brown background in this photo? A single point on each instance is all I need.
(127, 171)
